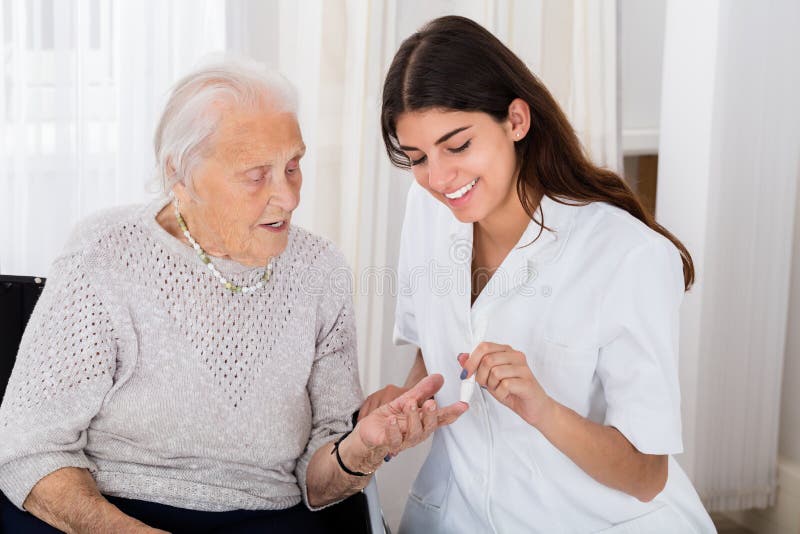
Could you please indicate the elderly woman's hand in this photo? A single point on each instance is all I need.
(379, 398)
(407, 420)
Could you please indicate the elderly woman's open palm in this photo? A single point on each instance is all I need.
(409, 419)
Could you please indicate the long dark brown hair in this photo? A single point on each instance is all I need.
(453, 63)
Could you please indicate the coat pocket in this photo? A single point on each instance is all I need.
(566, 373)
(427, 499)
(433, 483)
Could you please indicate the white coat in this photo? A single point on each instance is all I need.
(594, 305)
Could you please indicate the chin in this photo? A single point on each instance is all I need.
(277, 248)
(267, 251)
(467, 215)
(473, 212)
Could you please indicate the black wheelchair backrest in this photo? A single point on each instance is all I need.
(18, 296)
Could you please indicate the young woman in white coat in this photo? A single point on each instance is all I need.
(539, 276)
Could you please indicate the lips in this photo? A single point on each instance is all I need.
(461, 197)
(274, 226)
(460, 192)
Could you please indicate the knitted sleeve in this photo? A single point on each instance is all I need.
(333, 387)
(64, 368)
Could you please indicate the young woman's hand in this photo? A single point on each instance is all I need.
(504, 372)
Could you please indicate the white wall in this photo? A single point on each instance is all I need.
(641, 40)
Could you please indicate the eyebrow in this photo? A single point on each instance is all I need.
(441, 140)
(298, 152)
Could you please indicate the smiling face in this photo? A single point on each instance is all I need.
(247, 187)
(466, 160)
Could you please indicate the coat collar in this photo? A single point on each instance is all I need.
(533, 250)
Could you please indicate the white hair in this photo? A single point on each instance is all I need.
(196, 105)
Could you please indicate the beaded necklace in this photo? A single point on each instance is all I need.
(207, 261)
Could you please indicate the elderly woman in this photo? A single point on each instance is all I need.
(191, 365)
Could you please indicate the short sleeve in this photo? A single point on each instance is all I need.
(405, 321)
(638, 360)
(333, 386)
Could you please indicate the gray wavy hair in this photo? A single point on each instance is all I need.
(195, 107)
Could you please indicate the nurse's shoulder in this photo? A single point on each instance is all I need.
(611, 235)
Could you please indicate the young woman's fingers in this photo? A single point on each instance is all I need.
(489, 361)
(508, 387)
(499, 372)
(474, 359)
(368, 407)
(480, 352)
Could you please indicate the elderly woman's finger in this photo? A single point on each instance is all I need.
(425, 389)
(379, 398)
(430, 418)
(414, 425)
(449, 414)
(394, 437)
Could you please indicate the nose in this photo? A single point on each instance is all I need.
(440, 175)
(285, 193)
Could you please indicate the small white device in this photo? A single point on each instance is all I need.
(468, 384)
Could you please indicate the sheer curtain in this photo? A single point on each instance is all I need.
(578, 60)
(81, 97)
(83, 83)
(86, 79)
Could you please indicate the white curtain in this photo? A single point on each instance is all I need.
(84, 81)
(728, 172)
(578, 60)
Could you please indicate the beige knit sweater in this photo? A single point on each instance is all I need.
(138, 365)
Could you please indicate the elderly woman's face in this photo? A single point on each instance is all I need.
(247, 186)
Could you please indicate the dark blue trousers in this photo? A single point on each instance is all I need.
(179, 520)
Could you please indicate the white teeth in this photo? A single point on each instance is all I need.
(276, 224)
(461, 192)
